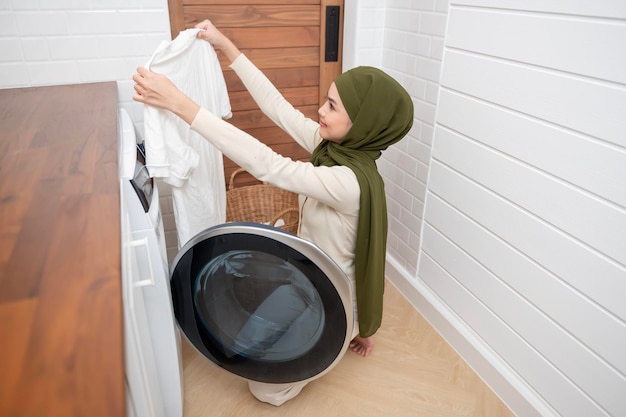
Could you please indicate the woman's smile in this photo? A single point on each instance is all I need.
(334, 120)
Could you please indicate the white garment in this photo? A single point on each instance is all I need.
(182, 157)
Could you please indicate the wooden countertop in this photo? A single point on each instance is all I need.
(61, 346)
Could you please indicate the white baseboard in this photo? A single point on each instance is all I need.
(500, 377)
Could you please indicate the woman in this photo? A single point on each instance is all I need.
(342, 197)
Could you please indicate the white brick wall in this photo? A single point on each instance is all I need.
(404, 38)
(66, 41)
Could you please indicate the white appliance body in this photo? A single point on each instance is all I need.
(152, 339)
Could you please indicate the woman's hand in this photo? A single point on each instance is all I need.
(216, 38)
(157, 90)
(211, 34)
(154, 89)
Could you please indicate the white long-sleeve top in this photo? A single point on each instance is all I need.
(181, 157)
(329, 196)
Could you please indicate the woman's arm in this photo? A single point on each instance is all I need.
(304, 130)
(334, 186)
(270, 100)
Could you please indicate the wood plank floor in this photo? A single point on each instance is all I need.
(412, 372)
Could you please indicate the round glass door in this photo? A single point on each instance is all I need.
(262, 303)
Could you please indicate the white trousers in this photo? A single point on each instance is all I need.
(278, 394)
(275, 394)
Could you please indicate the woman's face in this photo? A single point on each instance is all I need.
(334, 120)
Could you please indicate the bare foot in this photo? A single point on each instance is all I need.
(362, 345)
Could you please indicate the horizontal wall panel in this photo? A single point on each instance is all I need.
(594, 165)
(596, 8)
(584, 270)
(601, 225)
(567, 307)
(560, 393)
(550, 41)
(580, 104)
(585, 370)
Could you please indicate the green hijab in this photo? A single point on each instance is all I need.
(381, 112)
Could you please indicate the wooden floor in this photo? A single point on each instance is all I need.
(412, 372)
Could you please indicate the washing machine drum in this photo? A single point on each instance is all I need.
(262, 303)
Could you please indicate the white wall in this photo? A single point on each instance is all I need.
(364, 28)
(522, 264)
(66, 41)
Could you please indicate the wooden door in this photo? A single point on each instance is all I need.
(286, 39)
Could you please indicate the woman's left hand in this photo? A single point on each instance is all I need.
(157, 90)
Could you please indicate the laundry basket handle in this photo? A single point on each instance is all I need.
(231, 182)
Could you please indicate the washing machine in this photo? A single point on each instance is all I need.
(152, 340)
(262, 303)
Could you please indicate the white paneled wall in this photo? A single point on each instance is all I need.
(524, 233)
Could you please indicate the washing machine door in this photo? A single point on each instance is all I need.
(262, 303)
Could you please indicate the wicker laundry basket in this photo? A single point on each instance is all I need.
(262, 203)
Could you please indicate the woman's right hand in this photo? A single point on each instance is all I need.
(210, 33)
(216, 38)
